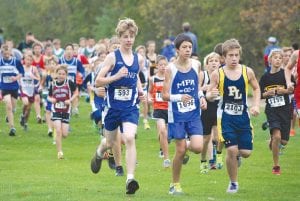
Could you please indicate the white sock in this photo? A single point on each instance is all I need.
(99, 154)
(130, 176)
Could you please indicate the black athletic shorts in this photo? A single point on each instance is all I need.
(64, 117)
(13, 93)
(161, 114)
(280, 119)
(209, 118)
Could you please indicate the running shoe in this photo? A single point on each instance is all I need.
(25, 127)
(131, 186)
(111, 161)
(204, 167)
(12, 132)
(281, 148)
(265, 125)
(160, 154)
(96, 163)
(60, 155)
(22, 120)
(219, 161)
(146, 124)
(276, 170)
(119, 171)
(39, 120)
(185, 159)
(233, 187)
(167, 163)
(50, 133)
(175, 189)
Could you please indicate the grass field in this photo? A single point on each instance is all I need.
(30, 170)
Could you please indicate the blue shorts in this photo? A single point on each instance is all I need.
(243, 139)
(114, 118)
(48, 106)
(179, 130)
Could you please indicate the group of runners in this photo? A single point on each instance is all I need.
(200, 109)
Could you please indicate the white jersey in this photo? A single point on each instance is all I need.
(27, 82)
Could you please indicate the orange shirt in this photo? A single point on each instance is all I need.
(156, 92)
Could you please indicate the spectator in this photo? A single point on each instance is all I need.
(29, 40)
(272, 44)
(168, 49)
(186, 27)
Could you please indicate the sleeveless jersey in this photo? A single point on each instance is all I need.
(27, 83)
(232, 107)
(40, 63)
(61, 94)
(184, 83)
(9, 68)
(158, 102)
(297, 88)
(123, 93)
(72, 67)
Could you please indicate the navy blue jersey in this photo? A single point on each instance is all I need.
(9, 68)
(123, 93)
(74, 66)
(232, 109)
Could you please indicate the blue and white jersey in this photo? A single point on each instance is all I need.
(74, 66)
(184, 83)
(123, 93)
(8, 69)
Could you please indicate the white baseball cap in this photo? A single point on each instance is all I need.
(272, 39)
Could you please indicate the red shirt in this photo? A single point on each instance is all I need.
(40, 63)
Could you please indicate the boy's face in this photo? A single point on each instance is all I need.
(213, 63)
(127, 39)
(6, 53)
(162, 65)
(276, 60)
(151, 47)
(142, 51)
(286, 57)
(61, 75)
(232, 57)
(185, 49)
(28, 60)
(37, 50)
(69, 51)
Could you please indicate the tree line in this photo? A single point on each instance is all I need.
(214, 21)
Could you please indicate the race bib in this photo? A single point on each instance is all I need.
(276, 101)
(234, 109)
(158, 96)
(27, 83)
(187, 106)
(7, 79)
(123, 94)
(60, 105)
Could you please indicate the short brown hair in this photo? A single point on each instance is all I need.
(63, 67)
(231, 44)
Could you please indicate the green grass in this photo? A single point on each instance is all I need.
(29, 169)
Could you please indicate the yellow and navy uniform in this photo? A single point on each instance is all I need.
(233, 118)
